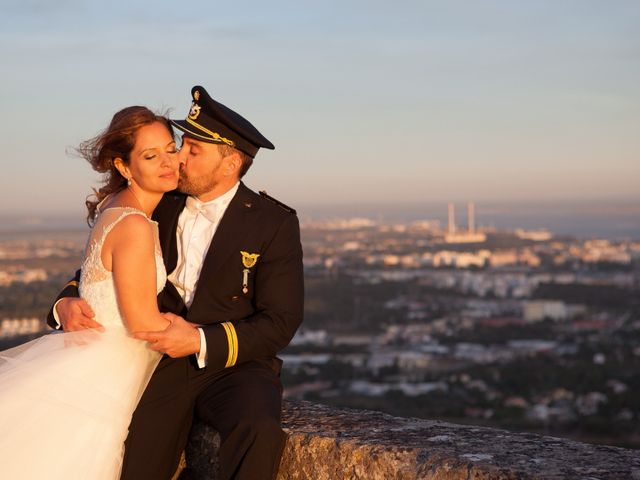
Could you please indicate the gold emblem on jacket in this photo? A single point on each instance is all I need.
(248, 260)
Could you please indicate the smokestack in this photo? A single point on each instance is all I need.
(471, 217)
(452, 220)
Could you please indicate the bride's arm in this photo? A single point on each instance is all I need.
(130, 245)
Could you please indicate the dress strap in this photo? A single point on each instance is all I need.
(101, 202)
(109, 218)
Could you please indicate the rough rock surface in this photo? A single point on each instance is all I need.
(329, 443)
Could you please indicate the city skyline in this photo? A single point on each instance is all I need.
(428, 102)
(524, 330)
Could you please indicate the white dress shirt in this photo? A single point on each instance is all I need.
(197, 225)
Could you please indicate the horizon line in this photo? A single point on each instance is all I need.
(367, 204)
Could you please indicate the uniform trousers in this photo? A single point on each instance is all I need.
(243, 403)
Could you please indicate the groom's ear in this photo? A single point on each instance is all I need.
(233, 162)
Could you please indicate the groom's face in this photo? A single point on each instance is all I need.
(203, 167)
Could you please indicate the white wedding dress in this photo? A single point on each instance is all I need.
(66, 399)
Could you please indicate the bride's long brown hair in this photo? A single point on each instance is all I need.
(117, 141)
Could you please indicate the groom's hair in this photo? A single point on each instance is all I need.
(247, 161)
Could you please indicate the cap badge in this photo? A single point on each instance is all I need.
(195, 110)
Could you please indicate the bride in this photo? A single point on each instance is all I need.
(66, 399)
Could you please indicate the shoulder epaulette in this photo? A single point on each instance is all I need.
(263, 194)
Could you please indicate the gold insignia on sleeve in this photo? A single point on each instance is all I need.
(248, 260)
(232, 342)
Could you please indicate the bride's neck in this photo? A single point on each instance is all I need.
(135, 198)
(145, 201)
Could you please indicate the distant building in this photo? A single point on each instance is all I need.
(310, 337)
(538, 310)
(12, 327)
(527, 257)
(391, 260)
(446, 258)
(502, 258)
(353, 340)
(535, 235)
(596, 251)
(27, 275)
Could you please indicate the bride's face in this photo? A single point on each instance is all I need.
(153, 162)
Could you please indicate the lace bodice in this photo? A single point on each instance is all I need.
(96, 282)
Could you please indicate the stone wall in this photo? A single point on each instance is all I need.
(329, 443)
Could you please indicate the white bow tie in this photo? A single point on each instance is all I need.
(208, 211)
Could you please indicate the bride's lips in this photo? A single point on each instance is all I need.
(170, 175)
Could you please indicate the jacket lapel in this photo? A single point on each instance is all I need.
(167, 214)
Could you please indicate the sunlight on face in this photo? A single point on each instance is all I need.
(200, 167)
(154, 160)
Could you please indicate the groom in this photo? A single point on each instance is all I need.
(235, 297)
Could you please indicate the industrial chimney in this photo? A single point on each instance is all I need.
(471, 217)
(452, 220)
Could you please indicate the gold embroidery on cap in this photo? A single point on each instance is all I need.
(216, 136)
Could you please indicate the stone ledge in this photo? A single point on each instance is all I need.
(330, 443)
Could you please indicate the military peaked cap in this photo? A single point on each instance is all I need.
(211, 121)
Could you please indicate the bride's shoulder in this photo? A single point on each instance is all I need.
(131, 222)
(128, 226)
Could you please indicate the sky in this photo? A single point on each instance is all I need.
(367, 102)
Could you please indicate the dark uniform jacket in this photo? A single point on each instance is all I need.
(242, 322)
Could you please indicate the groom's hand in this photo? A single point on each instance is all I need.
(179, 339)
(75, 314)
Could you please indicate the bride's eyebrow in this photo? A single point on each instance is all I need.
(156, 148)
